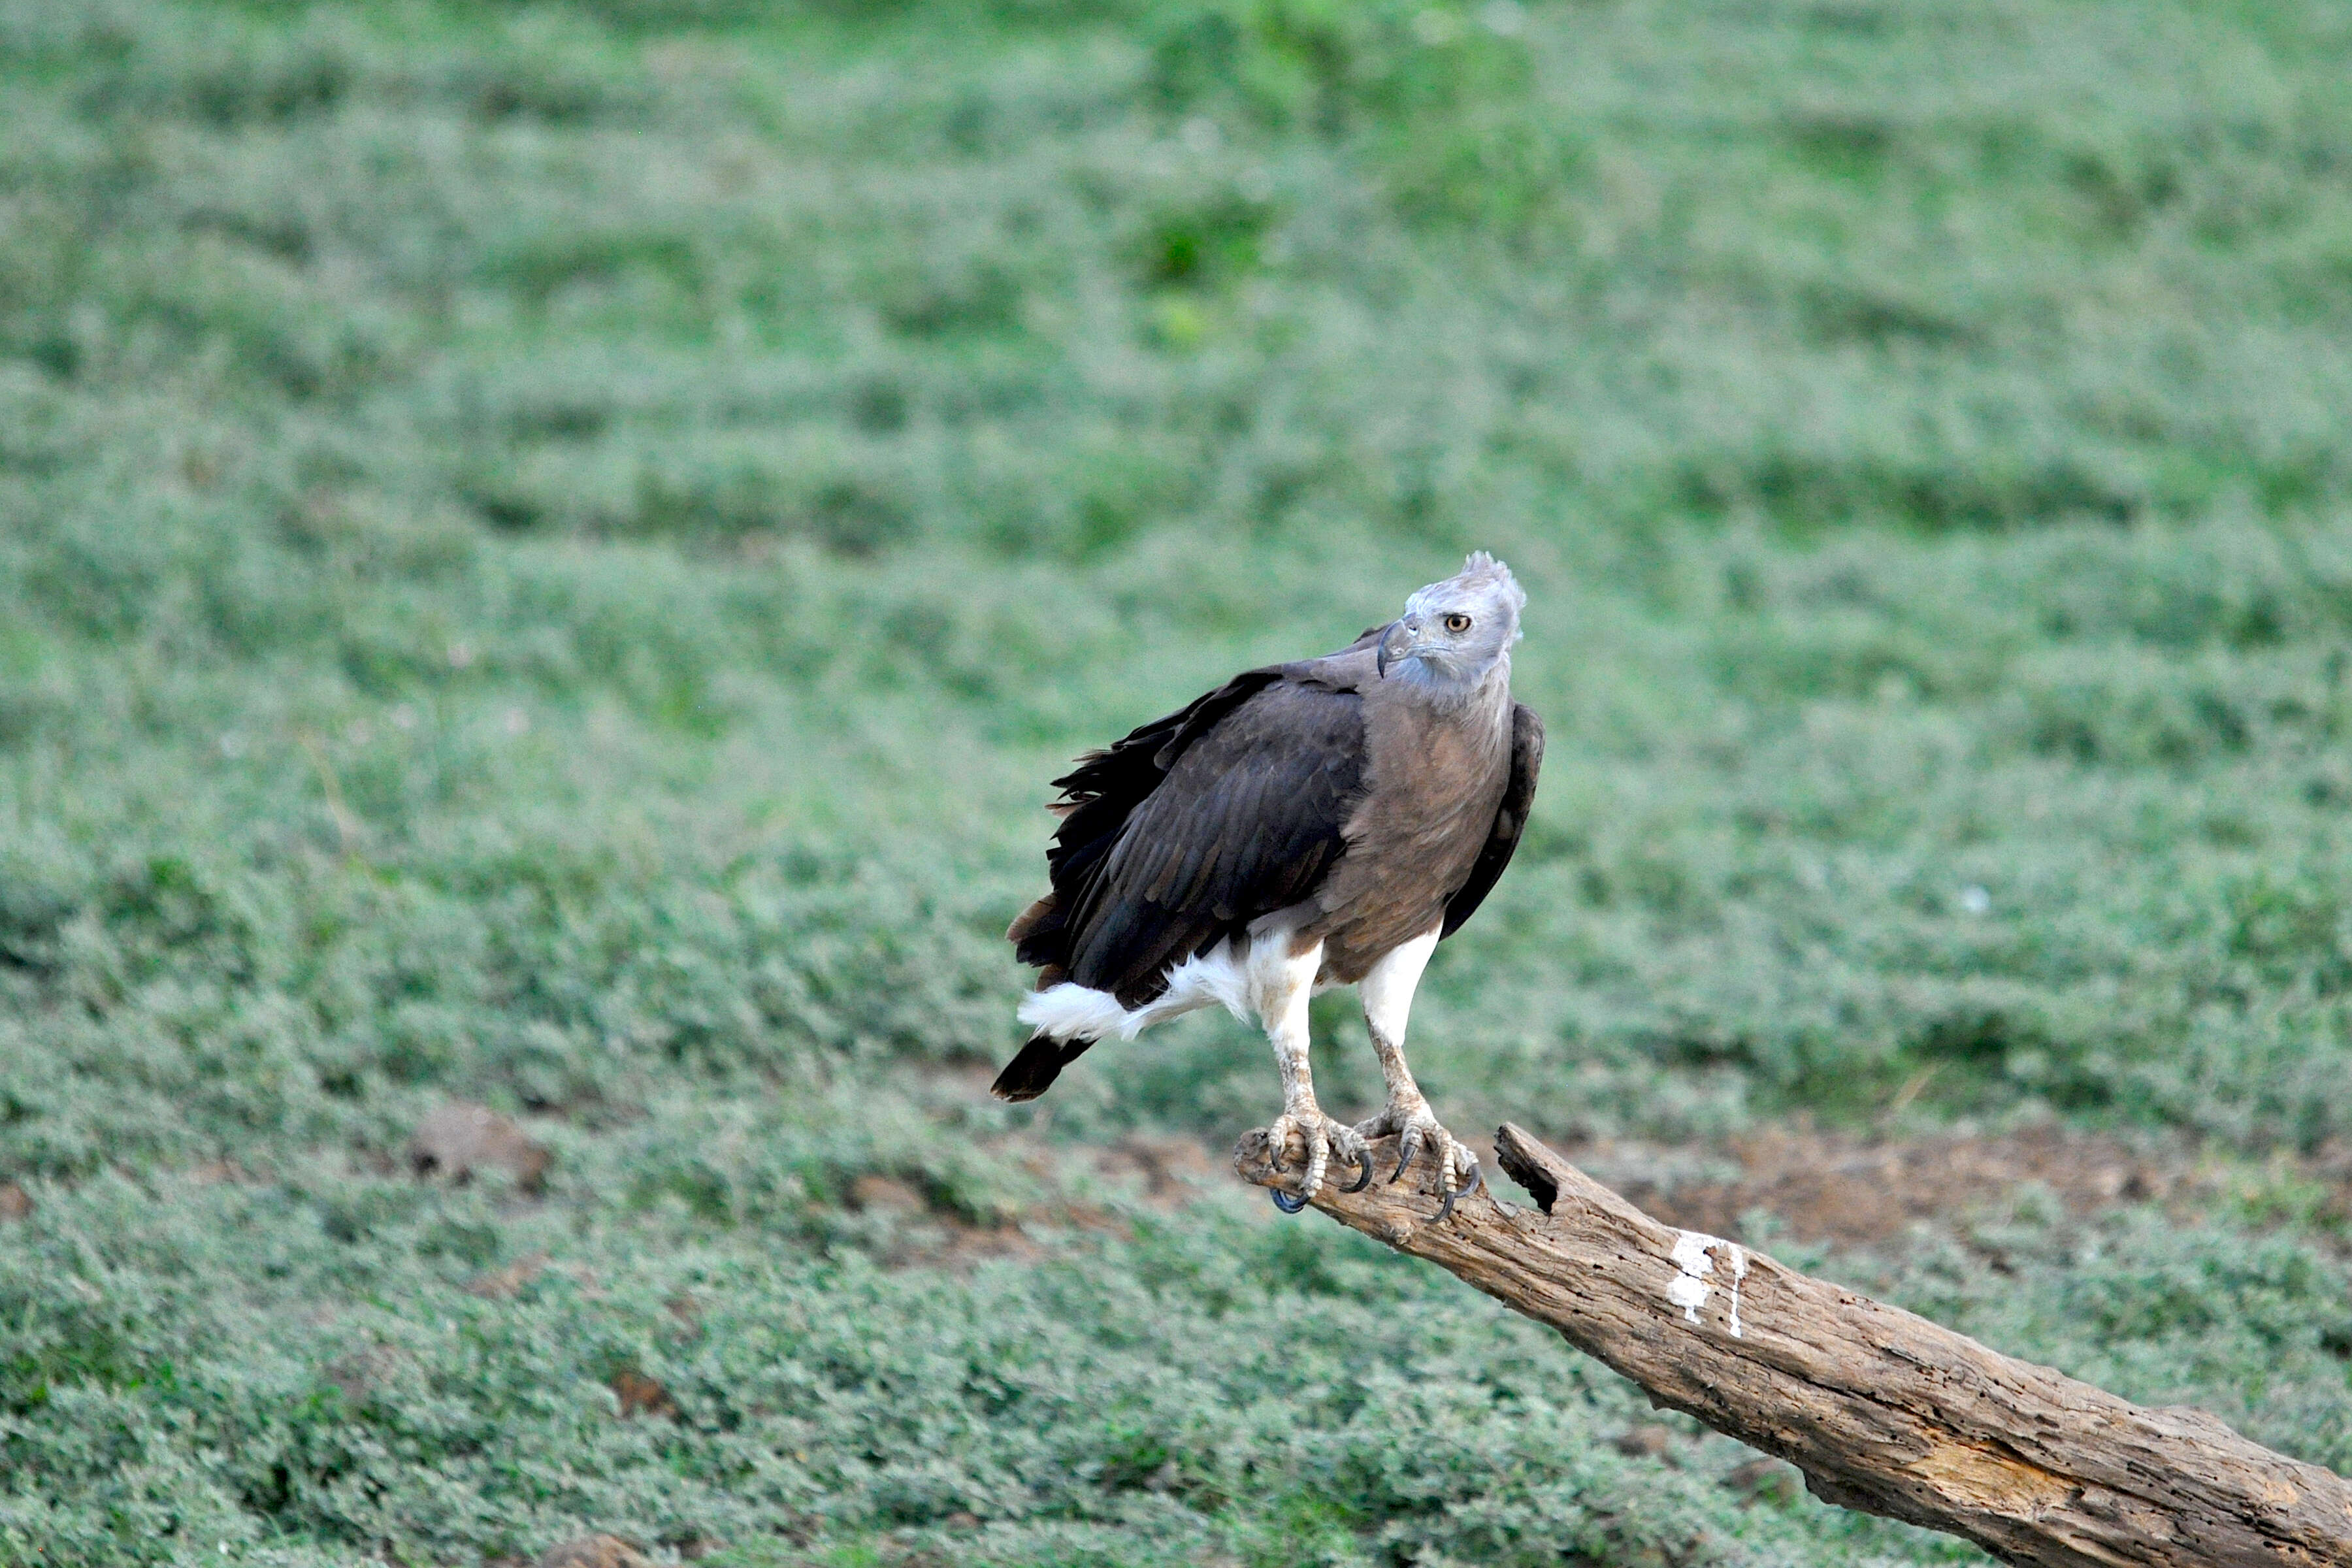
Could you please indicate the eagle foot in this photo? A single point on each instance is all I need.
(1458, 1174)
(1324, 1138)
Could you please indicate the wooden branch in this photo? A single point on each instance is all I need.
(1883, 1410)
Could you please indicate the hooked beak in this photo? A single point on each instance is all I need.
(1395, 643)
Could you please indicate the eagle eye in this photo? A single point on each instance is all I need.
(1457, 623)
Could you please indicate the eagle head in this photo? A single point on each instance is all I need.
(1454, 633)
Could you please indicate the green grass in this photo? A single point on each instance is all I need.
(547, 553)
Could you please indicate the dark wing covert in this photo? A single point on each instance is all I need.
(1193, 825)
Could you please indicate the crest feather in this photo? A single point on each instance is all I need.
(1481, 569)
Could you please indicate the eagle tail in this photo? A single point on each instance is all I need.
(1033, 1070)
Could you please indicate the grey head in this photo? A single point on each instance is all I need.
(1455, 637)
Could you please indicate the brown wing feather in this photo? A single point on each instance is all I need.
(1510, 820)
(1193, 825)
(1254, 807)
(1097, 798)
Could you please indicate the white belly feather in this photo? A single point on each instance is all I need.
(1257, 983)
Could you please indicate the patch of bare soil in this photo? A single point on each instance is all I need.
(457, 1139)
(594, 1552)
(1847, 1189)
(1856, 1191)
(1163, 1174)
(506, 1284)
(1817, 1187)
(642, 1396)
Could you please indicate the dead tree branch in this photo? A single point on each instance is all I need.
(1883, 1410)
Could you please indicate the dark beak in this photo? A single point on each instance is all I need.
(1390, 647)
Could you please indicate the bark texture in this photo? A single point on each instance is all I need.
(1883, 1410)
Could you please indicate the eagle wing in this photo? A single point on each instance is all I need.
(1510, 820)
(1195, 824)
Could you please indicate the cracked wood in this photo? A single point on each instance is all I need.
(1883, 1410)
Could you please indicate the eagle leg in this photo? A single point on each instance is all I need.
(1282, 980)
(1363, 1159)
(1323, 1138)
(1458, 1174)
(1387, 992)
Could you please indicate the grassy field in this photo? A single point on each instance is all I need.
(547, 553)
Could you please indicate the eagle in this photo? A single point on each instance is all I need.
(1303, 826)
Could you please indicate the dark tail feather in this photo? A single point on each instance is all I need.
(1033, 1072)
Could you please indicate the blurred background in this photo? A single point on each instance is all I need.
(547, 552)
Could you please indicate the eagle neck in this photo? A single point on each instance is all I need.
(1451, 699)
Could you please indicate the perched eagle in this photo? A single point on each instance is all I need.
(1303, 826)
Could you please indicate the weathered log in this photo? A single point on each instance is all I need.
(1883, 1410)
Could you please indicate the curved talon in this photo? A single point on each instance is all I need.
(1370, 1167)
(1477, 1180)
(1407, 1147)
(1284, 1202)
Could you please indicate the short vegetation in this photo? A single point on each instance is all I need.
(547, 552)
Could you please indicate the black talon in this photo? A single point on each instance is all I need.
(1406, 1150)
(1366, 1179)
(1284, 1202)
(1477, 1180)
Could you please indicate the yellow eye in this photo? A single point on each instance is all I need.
(1457, 623)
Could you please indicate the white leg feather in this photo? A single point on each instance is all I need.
(1387, 994)
(1282, 984)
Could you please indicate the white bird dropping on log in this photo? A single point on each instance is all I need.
(1689, 1290)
